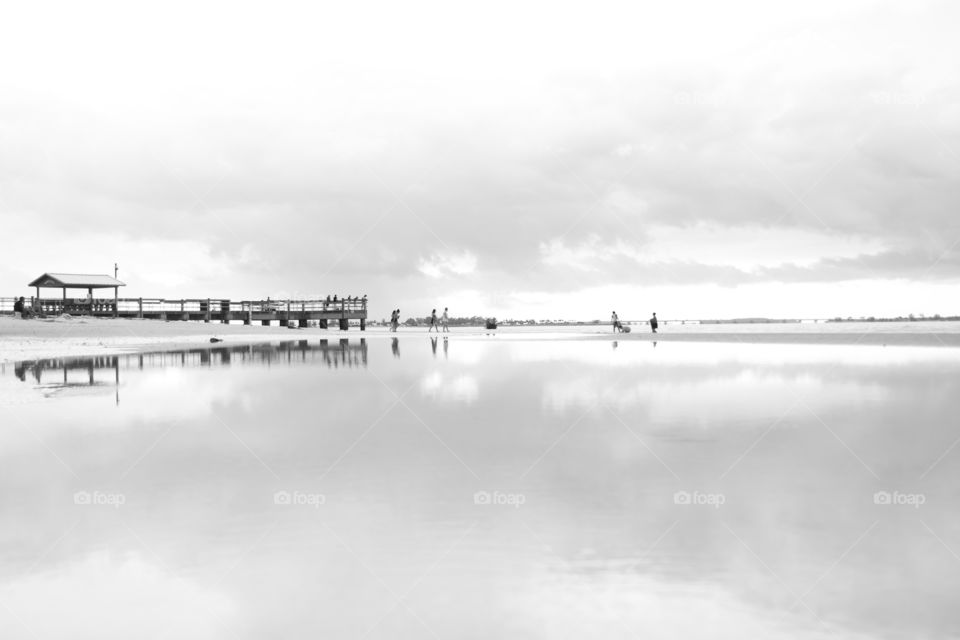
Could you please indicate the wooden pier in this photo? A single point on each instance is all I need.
(327, 313)
(297, 312)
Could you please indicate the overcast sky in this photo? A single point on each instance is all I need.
(698, 159)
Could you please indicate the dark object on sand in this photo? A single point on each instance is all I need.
(626, 328)
(216, 339)
(491, 323)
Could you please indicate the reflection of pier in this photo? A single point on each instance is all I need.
(65, 366)
(64, 373)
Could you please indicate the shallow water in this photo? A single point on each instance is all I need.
(482, 488)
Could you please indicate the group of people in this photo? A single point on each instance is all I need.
(434, 323)
(347, 299)
(444, 321)
(21, 308)
(615, 321)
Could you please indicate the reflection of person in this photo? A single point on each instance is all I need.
(395, 347)
(433, 345)
(446, 345)
(445, 319)
(653, 323)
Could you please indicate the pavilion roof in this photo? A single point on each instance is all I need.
(76, 281)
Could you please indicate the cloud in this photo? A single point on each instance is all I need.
(804, 144)
(440, 265)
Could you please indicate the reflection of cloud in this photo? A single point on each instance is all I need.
(576, 605)
(742, 395)
(466, 351)
(104, 597)
(462, 388)
(740, 352)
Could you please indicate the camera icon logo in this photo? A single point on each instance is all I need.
(82, 497)
(482, 497)
(282, 497)
(882, 497)
(682, 497)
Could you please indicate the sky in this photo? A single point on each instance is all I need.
(523, 160)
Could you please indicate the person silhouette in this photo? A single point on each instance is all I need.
(433, 322)
(653, 323)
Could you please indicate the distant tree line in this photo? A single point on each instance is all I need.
(909, 318)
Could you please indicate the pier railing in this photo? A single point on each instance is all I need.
(207, 309)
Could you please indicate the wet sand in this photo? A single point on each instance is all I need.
(32, 339)
(509, 486)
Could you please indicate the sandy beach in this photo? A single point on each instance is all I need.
(59, 337)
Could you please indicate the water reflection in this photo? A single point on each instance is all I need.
(341, 354)
(549, 490)
(57, 376)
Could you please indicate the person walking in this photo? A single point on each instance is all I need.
(615, 321)
(445, 319)
(653, 323)
(433, 322)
